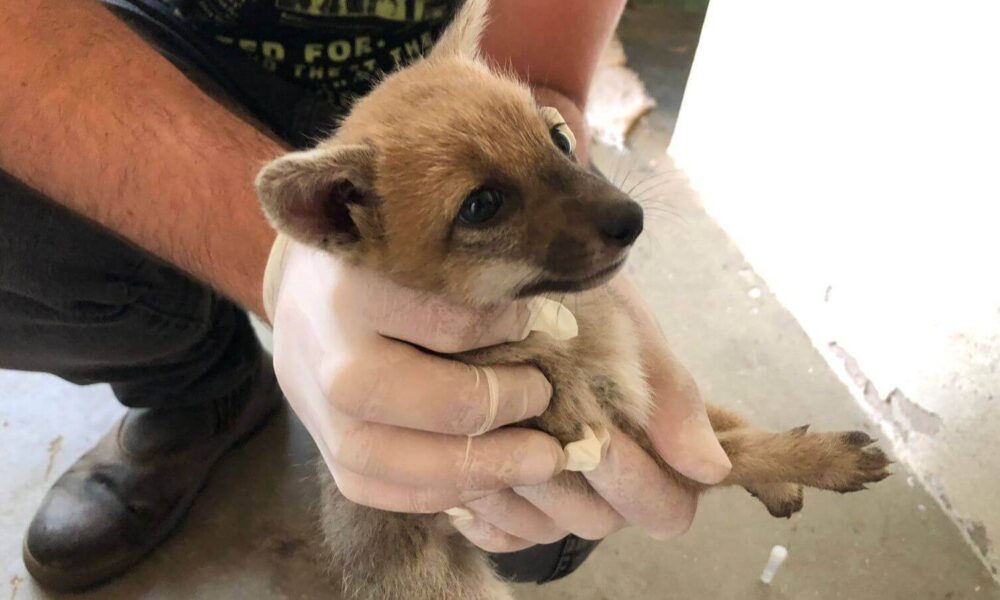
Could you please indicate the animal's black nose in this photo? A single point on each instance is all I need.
(622, 223)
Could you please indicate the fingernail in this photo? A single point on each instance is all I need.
(550, 317)
(546, 388)
(536, 394)
(604, 436)
(585, 454)
(561, 461)
(539, 463)
(458, 514)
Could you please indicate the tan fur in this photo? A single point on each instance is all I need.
(384, 192)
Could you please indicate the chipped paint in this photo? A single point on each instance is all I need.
(15, 584)
(895, 410)
(916, 417)
(864, 385)
(900, 417)
(54, 447)
(980, 538)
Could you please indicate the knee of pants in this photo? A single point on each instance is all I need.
(72, 292)
(149, 315)
(546, 562)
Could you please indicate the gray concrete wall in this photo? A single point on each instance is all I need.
(851, 150)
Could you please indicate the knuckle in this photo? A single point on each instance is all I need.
(331, 379)
(351, 489)
(427, 503)
(534, 459)
(471, 334)
(348, 385)
(353, 494)
(555, 456)
(495, 543)
(467, 416)
(467, 329)
(356, 449)
(491, 504)
(550, 536)
(536, 385)
(343, 401)
(502, 547)
(588, 534)
(447, 345)
(595, 529)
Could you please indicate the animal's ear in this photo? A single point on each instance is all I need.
(321, 196)
(462, 36)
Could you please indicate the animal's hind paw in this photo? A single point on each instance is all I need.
(782, 500)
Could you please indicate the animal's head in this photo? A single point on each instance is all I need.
(449, 178)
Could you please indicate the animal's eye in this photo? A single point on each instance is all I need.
(563, 138)
(562, 135)
(481, 206)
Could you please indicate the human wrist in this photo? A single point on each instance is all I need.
(233, 258)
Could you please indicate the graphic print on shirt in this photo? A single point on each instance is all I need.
(335, 48)
(392, 10)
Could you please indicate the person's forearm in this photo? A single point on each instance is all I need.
(98, 121)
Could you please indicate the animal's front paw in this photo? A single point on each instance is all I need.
(853, 461)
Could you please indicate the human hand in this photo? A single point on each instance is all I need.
(630, 486)
(392, 422)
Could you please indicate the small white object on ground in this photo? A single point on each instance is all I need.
(778, 556)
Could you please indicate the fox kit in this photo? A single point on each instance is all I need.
(448, 178)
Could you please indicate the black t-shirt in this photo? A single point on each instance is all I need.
(334, 48)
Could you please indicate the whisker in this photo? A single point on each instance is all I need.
(656, 180)
(617, 167)
(632, 169)
(666, 215)
(625, 167)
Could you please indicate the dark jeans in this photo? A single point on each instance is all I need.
(78, 302)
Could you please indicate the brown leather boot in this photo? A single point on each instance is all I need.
(127, 494)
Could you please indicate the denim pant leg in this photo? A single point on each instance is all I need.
(80, 303)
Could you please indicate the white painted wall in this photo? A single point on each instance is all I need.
(852, 150)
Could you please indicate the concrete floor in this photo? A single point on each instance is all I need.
(252, 535)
